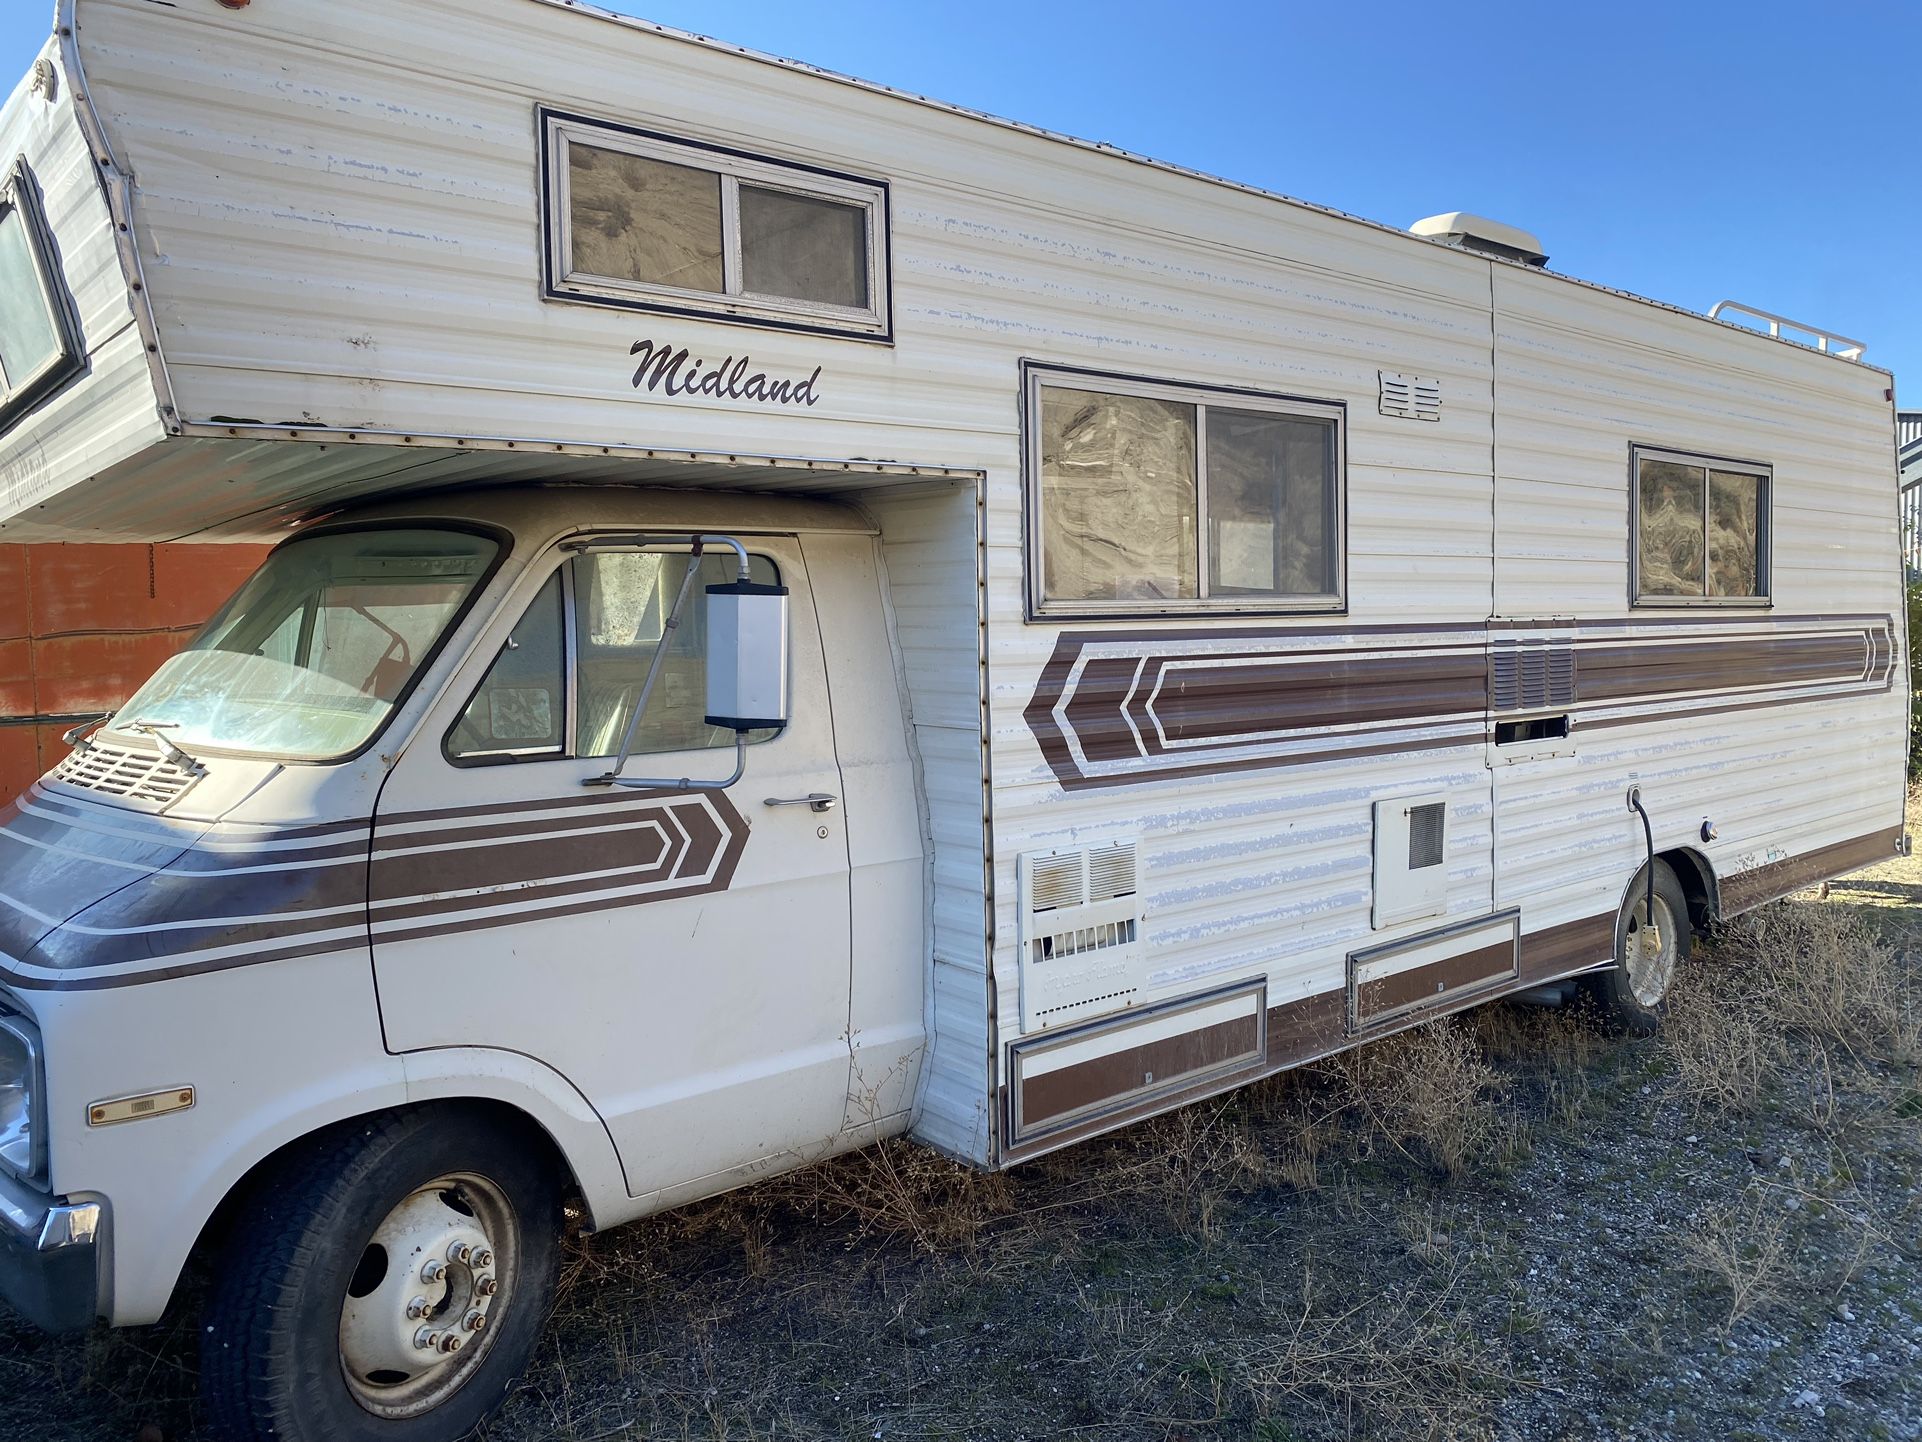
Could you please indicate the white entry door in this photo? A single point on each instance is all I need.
(682, 957)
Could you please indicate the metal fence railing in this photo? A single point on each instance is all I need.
(1912, 528)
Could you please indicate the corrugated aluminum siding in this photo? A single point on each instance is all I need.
(110, 411)
(928, 543)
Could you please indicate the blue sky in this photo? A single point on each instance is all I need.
(1765, 151)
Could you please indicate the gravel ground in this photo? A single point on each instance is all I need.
(1506, 1227)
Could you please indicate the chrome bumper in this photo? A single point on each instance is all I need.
(48, 1256)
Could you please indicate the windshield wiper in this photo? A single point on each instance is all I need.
(76, 736)
(175, 754)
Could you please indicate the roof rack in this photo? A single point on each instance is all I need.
(1825, 342)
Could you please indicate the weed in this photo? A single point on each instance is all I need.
(896, 1189)
(1742, 1249)
(1790, 980)
(1383, 1367)
(1428, 1093)
(1723, 1048)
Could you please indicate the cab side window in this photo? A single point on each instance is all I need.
(521, 708)
(621, 602)
(596, 624)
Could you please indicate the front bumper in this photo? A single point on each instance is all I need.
(49, 1251)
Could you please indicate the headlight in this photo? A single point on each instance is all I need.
(22, 1138)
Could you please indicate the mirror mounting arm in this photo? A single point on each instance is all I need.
(659, 783)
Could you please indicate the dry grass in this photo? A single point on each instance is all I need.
(896, 1190)
(1408, 1369)
(1742, 1250)
(1188, 1163)
(1429, 1094)
(1803, 980)
(1725, 1055)
(1822, 971)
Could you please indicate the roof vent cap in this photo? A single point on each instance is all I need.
(1479, 233)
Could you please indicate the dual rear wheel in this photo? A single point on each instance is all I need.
(1633, 994)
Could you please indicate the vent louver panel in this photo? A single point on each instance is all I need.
(1081, 951)
(1057, 882)
(1532, 676)
(1427, 828)
(1416, 398)
(144, 776)
(1111, 873)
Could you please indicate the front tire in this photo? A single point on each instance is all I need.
(1633, 993)
(387, 1283)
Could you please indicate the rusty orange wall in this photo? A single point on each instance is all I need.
(82, 626)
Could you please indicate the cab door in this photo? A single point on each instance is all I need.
(682, 957)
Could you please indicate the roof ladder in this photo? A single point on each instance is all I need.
(1835, 345)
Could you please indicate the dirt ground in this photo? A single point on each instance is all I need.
(1507, 1226)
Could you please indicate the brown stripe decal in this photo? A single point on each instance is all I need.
(677, 845)
(639, 847)
(1154, 1064)
(1119, 708)
(1744, 890)
(1643, 668)
(1441, 980)
(1557, 950)
(212, 911)
(1226, 702)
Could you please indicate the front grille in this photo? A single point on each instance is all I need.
(144, 776)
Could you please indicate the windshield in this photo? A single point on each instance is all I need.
(310, 656)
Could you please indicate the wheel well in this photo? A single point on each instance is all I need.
(510, 1120)
(1692, 869)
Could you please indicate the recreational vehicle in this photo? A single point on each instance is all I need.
(803, 615)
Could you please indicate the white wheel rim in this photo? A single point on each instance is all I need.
(426, 1301)
(1650, 969)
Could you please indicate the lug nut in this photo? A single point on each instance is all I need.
(487, 1286)
(450, 1342)
(433, 1269)
(417, 1308)
(482, 1258)
(475, 1321)
(460, 1252)
(425, 1338)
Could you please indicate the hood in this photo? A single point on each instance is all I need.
(60, 854)
(93, 895)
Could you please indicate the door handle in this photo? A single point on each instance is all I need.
(814, 801)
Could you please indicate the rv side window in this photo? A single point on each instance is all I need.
(647, 221)
(595, 624)
(38, 348)
(1700, 530)
(1146, 497)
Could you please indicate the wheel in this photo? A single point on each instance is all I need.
(388, 1284)
(1633, 993)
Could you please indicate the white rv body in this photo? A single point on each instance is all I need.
(307, 250)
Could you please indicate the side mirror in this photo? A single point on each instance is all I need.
(746, 655)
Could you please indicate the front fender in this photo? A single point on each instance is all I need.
(153, 1233)
(154, 1226)
(542, 1094)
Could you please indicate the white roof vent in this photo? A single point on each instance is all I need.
(1478, 232)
